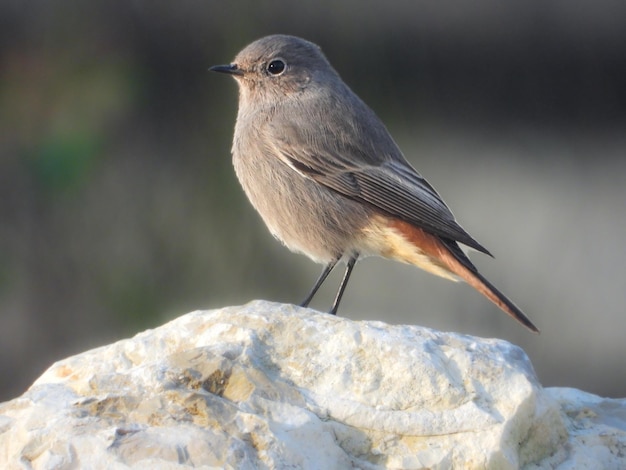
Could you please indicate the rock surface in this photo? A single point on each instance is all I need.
(275, 386)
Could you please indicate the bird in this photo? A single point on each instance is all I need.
(328, 179)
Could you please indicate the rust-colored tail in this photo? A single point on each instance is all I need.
(446, 254)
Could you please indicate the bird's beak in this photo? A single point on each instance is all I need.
(231, 69)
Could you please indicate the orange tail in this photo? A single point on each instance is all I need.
(447, 255)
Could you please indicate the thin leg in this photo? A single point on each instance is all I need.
(344, 283)
(320, 280)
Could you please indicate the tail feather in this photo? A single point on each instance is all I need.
(460, 265)
(446, 254)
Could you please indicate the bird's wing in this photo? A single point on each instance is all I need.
(385, 182)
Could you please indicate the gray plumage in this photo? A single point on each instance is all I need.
(320, 167)
(306, 119)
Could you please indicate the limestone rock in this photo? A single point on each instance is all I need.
(276, 386)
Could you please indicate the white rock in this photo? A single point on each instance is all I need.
(276, 386)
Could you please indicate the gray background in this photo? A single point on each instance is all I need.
(119, 208)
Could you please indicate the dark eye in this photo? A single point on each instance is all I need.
(276, 67)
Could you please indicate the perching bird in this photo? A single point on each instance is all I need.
(327, 178)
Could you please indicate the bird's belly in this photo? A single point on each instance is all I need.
(304, 215)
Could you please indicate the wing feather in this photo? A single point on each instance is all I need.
(344, 156)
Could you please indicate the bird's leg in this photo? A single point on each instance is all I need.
(344, 283)
(320, 280)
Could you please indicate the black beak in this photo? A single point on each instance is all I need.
(231, 69)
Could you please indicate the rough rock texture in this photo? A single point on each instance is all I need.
(275, 386)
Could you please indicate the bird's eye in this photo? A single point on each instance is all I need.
(276, 67)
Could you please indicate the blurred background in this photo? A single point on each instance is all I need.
(119, 208)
